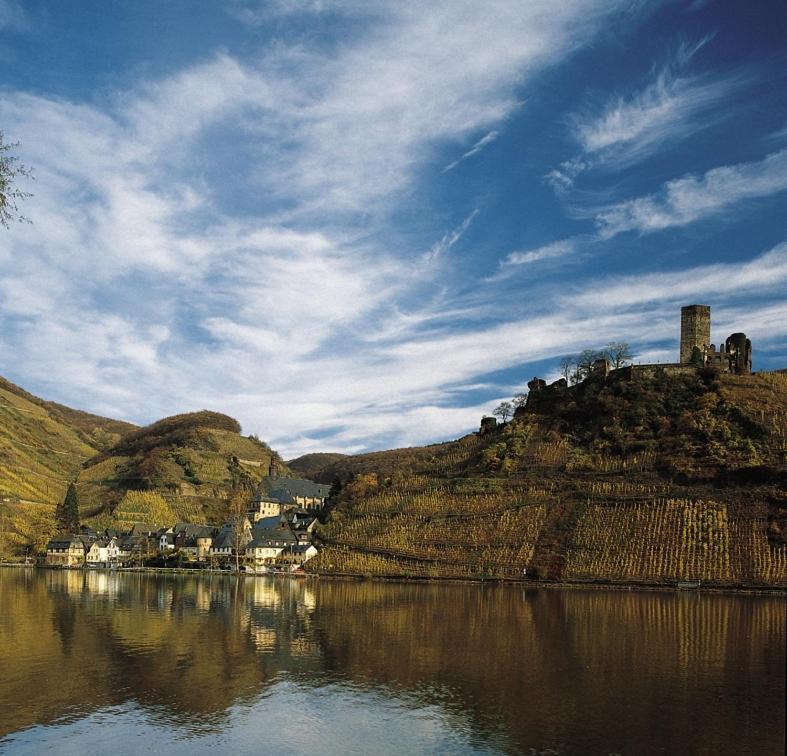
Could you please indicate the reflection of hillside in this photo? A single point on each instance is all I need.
(520, 668)
(597, 658)
(48, 655)
(188, 648)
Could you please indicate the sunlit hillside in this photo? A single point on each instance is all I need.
(654, 480)
(43, 446)
(190, 460)
(179, 468)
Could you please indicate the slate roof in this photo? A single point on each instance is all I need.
(268, 523)
(287, 489)
(193, 530)
(270, 537)
(226, 540)
(141, 528)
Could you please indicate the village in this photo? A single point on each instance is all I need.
(273, 535)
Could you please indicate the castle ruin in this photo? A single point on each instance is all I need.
(696, 351)
(733, 356)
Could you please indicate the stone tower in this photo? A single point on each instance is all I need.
(694, 330)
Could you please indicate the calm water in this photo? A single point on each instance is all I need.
(265, 665)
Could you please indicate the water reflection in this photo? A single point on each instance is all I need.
(478, 668)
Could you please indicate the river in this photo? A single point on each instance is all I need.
(134, 663)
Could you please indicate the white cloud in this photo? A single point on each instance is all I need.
(448, 240)
(670, 108)
(554, 249)
(691, 198)
(485, 140)
(766, 273)
(140, 291)
(562, 178)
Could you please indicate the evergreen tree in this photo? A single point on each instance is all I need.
(67, 513)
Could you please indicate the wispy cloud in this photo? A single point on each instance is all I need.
(668, 109)
(440, 248)
(563, 177)
(474, 150)
(555, 249)
(146, 291)
(764, 274)
(691, 198)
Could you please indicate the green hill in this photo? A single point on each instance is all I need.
(191, 460)
(179, 468)
(656, 479)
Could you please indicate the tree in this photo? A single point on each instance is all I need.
(519, 400)
(585, 361)
(568, 368)
(238, 503)
(10, 193)
(503, 411)
(618, 353)
(697, 358)
(67, 513)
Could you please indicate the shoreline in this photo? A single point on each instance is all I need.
(619, 585)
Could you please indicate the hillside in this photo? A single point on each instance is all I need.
(95, 431)
(179, 468)
(42, 448)
(190, 460)
(656, 479)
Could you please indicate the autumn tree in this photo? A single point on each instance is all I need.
(10, 170)
(519, 400)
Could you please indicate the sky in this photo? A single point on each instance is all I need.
(359, 225)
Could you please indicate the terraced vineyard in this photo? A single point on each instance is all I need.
(542, 500)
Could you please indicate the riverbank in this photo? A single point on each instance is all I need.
(703, 587)
(621, 585)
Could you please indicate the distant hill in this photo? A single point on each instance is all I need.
(654, 480)
(318, 466)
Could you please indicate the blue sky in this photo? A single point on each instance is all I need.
(359, 225)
